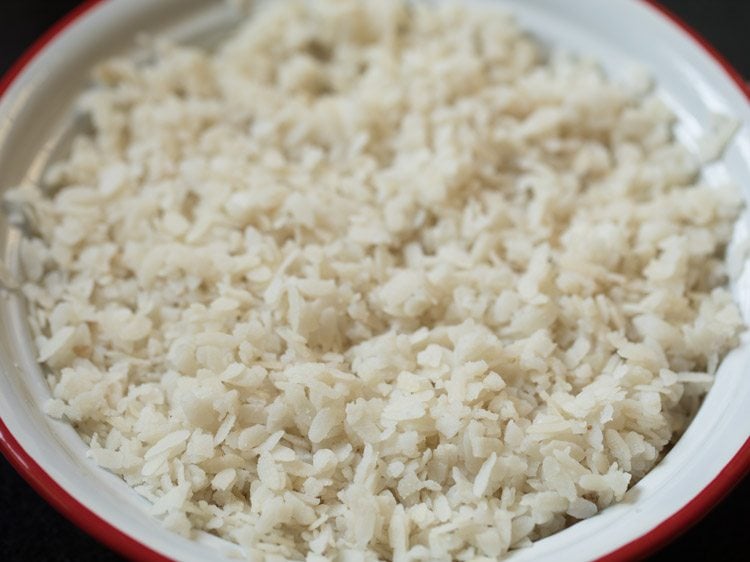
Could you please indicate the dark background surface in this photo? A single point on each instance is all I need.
(30, 530)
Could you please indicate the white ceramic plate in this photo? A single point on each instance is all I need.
(36, 120)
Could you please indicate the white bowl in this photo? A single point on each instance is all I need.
(36, 120)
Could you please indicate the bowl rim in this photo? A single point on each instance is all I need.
(130, 547)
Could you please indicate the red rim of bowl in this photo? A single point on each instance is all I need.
(73, 510)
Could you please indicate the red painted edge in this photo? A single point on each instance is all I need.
(693, 34)
(69, 507)
(38, 46)
(739, 466)
(45, 486)
(690, 514)
(126, 545)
